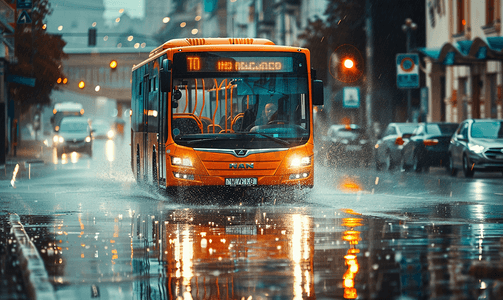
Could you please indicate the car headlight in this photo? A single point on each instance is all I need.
(88, 139)
(476, 148)
(110, 134)
(178, 161)
(298, 162)
(58, 139)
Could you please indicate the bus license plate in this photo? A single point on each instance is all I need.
(241, 181)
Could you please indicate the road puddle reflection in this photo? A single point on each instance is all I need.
(272, 253)
(259, 254)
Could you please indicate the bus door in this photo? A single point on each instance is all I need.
(163, 135)
(145, 151)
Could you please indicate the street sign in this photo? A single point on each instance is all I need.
(407, 71)
(24, 4)
(351, 97)
(24, 18)
(21, 80)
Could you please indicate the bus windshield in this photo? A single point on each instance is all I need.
(259, 102)
(243, 112)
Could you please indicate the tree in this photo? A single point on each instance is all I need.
(39, 55)
(343, 25)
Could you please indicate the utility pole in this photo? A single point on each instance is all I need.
(408, 27)
(370, 54)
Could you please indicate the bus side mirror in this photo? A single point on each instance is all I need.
(165, 76)
(317, 92)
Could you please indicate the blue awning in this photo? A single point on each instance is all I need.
(465, 52)
(433, 53)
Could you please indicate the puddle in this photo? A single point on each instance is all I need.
(272, 252)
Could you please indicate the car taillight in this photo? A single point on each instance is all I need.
(399, 141)
(430, 142)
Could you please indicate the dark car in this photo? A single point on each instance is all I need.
(74, 134)
(428, 146)
(388, 149)
(477, 144)
(346, 145)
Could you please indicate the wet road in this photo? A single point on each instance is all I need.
(358, 234)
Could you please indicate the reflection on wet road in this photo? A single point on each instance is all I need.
(359, 234)
(268, 252)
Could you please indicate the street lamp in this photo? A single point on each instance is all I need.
(408, 27)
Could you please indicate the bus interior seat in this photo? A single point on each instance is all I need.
(206, 121)
(218, 128)
(237, 122)
(248, 119)
(187, 123)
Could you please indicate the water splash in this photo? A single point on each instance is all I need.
(14, 174)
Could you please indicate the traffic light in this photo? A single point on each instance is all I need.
(62, 80)
(113, 65)
(91, 37)
(349, 69)
(82, 84)
(346, 64)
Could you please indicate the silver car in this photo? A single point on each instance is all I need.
(388, 149)
(477, 144)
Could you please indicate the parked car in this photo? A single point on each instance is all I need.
(74, 134)
(428, 146)
(347, 145)
(388, 149)
(477, 144)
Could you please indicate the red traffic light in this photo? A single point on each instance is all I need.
(346, 64)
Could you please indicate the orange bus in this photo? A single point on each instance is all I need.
(224, 112)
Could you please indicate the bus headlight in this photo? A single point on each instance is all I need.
(178, 161)
(299, 162)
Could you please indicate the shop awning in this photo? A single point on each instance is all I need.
(465, 52)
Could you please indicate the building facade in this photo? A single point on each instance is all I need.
(462, 59)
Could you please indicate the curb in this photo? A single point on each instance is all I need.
(32, 266)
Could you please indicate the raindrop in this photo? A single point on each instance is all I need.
(375, 266)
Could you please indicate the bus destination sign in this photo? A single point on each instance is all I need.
(197, 63)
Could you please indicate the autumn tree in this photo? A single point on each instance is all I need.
(39, 55)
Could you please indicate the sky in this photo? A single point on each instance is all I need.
(134, 8)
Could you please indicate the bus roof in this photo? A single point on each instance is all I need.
(209, 41)
(68, 106)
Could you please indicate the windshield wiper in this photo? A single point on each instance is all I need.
(278, 140)
(215, 138)
(223, 137)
